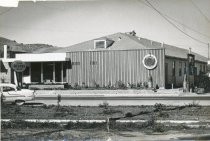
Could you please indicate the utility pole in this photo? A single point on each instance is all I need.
(208, 52)
(208, 64)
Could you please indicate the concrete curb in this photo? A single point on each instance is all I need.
(120, 121)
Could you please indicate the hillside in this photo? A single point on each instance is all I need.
(20, 47)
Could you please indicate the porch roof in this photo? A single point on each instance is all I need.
(43, 57)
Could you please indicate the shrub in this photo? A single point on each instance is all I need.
(109, 111)
(202, 81)
(146, 85)
(129, 114)
(158, 127)
(95, 85)
(120, 85)
(132, 86)
(109, 85)
(194, 104)
(104, 105)
(140, 85)
(67, 86)
(76, 86)
(163, 114)
(159, 107)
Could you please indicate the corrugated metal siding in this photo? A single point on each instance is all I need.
(179, 79)
(104, 67)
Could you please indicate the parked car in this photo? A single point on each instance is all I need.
(10, 93)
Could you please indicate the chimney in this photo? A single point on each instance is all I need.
(5, 51)
(151, 42)
(162, 45)
(119, 38)
(190, 50)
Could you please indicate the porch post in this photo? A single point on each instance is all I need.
(53, 71)
(42, 72)
(30, 72)
(15, 78)
(62, 72)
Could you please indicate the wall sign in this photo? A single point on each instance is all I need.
(149, 61)
(18, 66)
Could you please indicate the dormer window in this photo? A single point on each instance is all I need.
(99, 44)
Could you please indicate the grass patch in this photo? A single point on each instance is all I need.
(20, 124)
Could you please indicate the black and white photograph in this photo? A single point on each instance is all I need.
(105, 70)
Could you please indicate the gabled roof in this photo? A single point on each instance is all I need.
(124, 41)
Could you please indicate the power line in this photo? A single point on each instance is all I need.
(174, 24)
(5, 11)
(200, 11)
(175, 20)
(188, 27)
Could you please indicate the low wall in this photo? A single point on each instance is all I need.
(45, 86)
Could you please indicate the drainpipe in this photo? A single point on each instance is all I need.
(5, 51)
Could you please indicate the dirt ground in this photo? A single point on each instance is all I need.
(96, 135)
(188, 112)
(19, 130)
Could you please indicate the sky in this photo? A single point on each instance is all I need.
(183, 23)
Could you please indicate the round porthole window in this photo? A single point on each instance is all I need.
(150, 61)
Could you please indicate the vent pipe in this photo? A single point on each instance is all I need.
(190, 50)
(162, 45)
(5, 51)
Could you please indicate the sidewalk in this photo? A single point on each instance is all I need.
(116, 93)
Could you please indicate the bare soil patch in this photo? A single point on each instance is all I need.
(101, 112)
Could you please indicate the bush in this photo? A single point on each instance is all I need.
(104, 105)
(163, 114)
(76, 86)
(67, 86)
(159, 107)
(145, 85)
(96, 85)
(140, 85)
(194, 104)
(203, 81)
(158, 127)
(109, 111)
(129, 114)
(120, 85)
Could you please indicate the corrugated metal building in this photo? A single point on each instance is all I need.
(108, 67)
(104, 61)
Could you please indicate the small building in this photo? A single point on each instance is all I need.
(120, 57)
(7, 54)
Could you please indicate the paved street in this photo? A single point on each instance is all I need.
(89, 98)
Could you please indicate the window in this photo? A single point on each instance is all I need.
(195, 71)
(185, 68)
(180, 68)
(100, 44)
(173, 68)
(7, 89)
(200, 69)
(204, 70)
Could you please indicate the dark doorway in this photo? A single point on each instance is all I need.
(58, 70)
(35, 72)
(48, 71)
